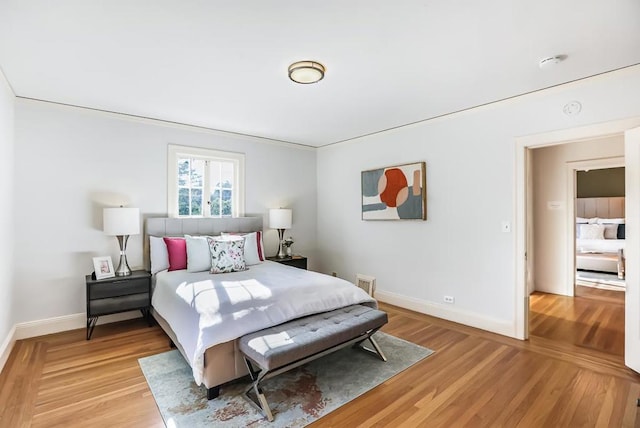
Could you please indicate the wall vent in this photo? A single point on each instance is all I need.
(367, 283)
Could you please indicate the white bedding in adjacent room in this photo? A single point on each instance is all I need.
(599, 245)
(205, 309)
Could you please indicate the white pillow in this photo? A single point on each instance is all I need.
(610, 231)
(198, 255)
(610, 221)
(591, 231)
(582, 220)
(253, 247)
(158, 254)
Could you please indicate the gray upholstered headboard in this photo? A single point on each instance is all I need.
(196, 226)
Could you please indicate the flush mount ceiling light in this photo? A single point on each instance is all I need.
(306, 72)
(550, 61)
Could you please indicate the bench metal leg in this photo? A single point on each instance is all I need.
(377, 351)
(252, 372)
(260, 401)
(263, 403)
(377, 348)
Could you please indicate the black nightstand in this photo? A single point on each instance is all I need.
(295, 261)
(118, 294)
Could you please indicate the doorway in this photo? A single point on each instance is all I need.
(599, 201)
(523, 211)
(575, 318)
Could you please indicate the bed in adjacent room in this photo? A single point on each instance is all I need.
(600, 234)
(204, 313)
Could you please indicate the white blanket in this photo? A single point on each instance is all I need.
(204, 309)
(599, 245)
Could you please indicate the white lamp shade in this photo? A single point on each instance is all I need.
(121, 221)
(280, 218)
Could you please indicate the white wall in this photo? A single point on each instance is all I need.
(6, 214)
(71, 162)
(460, 250)
(550, 169)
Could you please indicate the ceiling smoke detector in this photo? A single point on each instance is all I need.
(572, 108)
(550, 61)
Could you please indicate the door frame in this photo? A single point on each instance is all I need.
(632, 249)
(523, 144)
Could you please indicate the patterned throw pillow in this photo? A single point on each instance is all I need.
(227, 254)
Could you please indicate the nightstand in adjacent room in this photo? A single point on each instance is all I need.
(118, 294)
(295, 261)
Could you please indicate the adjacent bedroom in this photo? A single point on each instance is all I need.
(600, 229)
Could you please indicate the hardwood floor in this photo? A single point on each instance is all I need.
(474, 379)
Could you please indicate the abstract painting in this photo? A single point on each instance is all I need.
(395, 193)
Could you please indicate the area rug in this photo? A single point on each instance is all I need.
(609, 281)
(296, 398)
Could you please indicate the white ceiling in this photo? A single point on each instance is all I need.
(223, 64)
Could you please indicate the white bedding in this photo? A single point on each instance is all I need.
(599, 245)
(204, 309)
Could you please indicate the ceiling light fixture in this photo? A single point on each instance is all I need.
(306, 72)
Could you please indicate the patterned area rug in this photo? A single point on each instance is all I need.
(296, 398)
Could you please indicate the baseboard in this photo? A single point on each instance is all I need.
(29, 329)
(448, 313)
(7, 346)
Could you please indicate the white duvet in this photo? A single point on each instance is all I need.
(599, 245)
(204, 309)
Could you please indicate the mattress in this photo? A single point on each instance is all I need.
(205, 310)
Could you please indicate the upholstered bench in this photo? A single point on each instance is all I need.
(289, 345)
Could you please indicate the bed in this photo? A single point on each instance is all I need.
(600, 234)
(205, 314)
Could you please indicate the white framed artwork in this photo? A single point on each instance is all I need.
(103, 267)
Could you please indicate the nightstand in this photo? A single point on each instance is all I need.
(118, 294)
(295, 261)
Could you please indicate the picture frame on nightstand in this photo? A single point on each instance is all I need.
(103, 267)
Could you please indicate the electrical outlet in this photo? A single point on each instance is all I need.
(449, 299)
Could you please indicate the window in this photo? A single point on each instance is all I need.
(205, 183)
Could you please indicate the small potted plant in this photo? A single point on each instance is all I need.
(287, 244)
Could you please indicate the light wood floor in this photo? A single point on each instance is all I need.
(474, 379)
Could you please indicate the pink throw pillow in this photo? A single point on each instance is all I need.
(177, 250)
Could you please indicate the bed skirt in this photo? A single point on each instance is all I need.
(222, 363)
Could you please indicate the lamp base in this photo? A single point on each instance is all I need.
(123, 266)
(281, 254)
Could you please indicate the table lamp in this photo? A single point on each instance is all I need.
(280, 218)
(122, 222)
